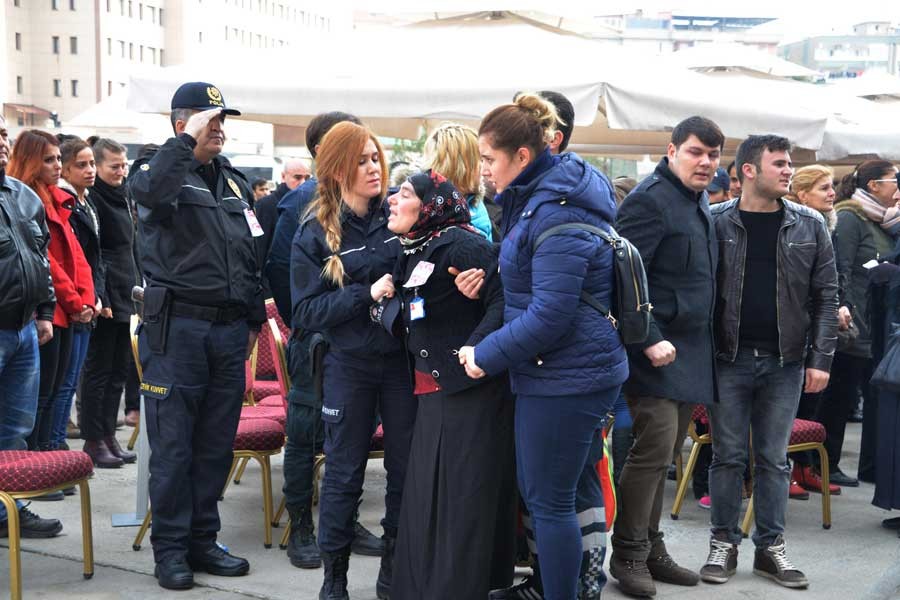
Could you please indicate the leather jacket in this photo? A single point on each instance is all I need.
(24, 267)
(806, 285)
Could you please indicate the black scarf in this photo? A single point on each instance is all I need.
(110, 194)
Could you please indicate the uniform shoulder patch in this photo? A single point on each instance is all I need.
(145, 167)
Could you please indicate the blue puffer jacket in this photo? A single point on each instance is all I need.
(553, 343)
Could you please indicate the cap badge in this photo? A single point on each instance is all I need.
(215, 96)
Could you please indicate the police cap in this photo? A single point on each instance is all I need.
(199, 95)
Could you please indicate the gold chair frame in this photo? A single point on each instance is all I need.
(12, 514)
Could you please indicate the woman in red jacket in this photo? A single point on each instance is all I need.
(35, 161)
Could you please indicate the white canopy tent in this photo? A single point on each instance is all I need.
(625, 104)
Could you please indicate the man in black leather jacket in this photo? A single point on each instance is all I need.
(776, 332)
(26, 320)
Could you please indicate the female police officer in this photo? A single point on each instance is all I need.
(342, 258)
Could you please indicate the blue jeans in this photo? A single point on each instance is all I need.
(19, 379)
(553, 442)
(757, 395)
(62, 403)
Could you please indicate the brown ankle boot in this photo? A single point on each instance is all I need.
(100, 454)
(113, 444)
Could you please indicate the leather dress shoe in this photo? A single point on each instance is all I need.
(216, 561)
(100, 454)
(113, 446)
(838, 477)
(174, 573)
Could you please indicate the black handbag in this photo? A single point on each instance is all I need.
(887, 373)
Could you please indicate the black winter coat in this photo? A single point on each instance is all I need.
(85, 222)
(117, 245)
(451, 320)
(671, 227)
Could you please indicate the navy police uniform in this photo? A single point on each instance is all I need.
(203, 294)
(365, 371)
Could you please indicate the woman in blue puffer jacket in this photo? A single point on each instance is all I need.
(566, 360)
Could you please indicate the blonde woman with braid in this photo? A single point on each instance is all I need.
(341, 263)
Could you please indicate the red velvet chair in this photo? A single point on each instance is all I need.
(25, 475)
(259, 439)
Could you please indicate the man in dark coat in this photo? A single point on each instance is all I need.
(667, 218)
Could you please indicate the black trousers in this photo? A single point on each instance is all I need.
(132, 386)
(356, 388)
(305, 434)
(103, 378)
(54, 365)
(849, 375)
(192, 398)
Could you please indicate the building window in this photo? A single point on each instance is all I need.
(20, 85)
(130, 9)
(226, 33)
(122, 48)
(18, 41)
(130, 51)
(71, 4)
(109, 46)
(122, 7)
(141, 54)
(200, 37)
(54, 4)
(73, 45)
(54, 43)
(109, 88)
(162, 57)
(108, 5)
(57, 87)
(160, 17)
(16, 3)
(152, 14)
(140, 11)
(74, 88)
(153, 55)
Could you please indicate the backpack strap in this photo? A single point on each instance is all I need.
(587, 298)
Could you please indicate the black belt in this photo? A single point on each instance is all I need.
(216, 314)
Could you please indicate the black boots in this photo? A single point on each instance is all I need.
(113, 445)
(302, 549)
(334, 587)
(386, 572)
(101, 455)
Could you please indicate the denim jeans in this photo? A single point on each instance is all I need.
(554, 438)
(19, 379)
(62, 403)
(759, 395)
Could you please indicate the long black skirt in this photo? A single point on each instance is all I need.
(887, 451)
(456, 538)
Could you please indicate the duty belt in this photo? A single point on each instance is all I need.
(216, 314)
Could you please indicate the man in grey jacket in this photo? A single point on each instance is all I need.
(26, 321)
(776, 332)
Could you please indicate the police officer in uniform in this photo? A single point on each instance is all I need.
(203, 307)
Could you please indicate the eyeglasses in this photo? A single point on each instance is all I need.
(892, 179)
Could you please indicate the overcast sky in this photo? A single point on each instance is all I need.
(797, 17)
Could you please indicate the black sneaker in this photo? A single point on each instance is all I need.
(773, 563)
(32, 526)
(721, 562)
(527, 590)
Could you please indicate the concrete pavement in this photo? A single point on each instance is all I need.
(855, 559)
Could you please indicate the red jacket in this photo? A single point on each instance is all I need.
(69, 270)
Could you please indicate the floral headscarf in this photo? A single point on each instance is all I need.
(443, 207)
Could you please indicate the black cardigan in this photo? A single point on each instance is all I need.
(451, 320)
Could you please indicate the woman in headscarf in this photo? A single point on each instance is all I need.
(457, 522)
